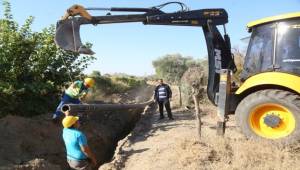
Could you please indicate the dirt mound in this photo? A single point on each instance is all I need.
(27, 139)
(24, 139)
(36, 164)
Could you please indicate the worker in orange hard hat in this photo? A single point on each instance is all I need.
(79, 154)
(74, 94)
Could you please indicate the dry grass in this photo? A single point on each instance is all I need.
(225, 153)
(234, 151)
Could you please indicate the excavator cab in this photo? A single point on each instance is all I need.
(268, 104)
(273, 46)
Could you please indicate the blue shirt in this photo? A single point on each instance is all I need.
(73, 139)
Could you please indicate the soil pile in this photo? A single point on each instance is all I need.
(24, 139)
(36, 164)
(36, 143)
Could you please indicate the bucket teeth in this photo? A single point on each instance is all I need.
(84, 50)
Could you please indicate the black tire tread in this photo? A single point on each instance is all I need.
(280, 96)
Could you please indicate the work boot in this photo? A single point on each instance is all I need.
(171, 118)
(161, 117)
(55, 120)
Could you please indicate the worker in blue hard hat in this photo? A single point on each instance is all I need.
(73, 95)
(79, 155)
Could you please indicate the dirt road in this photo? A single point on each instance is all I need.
(173, 145)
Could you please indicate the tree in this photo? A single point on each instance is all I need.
(32, 68)
(195, 78)
(239, 57)
(171, 67)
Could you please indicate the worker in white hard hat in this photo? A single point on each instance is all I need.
(79, 155)
(73, 95)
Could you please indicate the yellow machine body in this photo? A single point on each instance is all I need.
(285, 80)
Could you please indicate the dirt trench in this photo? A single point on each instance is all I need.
(24, 139)
(36, 143)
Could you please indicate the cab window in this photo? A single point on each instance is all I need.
(288, 44)
(259, 53)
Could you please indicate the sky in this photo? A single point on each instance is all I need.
(131, 47)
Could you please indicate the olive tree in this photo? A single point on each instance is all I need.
(171, 67)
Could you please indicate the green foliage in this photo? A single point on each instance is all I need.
(186, 94)
(193, 78)
(32, 68)
(239, 58)
(110, 84)
(129, 82)
(171, 67)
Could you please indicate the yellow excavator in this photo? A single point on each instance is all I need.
(267, 103)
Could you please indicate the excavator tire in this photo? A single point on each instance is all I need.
(270, 115)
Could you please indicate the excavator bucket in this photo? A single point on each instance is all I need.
(67, 36)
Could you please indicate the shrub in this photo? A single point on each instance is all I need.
(32, 68)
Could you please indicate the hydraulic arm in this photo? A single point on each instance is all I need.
(218, 45)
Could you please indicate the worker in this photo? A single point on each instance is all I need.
(79, 155)
(162, 96)
(73, 95)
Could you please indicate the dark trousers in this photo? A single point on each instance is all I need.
(66, 99)
(161, 105)
(80, 165)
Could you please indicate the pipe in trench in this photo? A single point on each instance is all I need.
(75, 108)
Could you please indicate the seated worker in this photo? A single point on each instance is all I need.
(79, 155)
(77, 91)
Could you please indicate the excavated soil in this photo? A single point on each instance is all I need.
(36, 143)
(24, 139)
(173, 145)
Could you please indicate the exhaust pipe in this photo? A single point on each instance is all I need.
(82, 108)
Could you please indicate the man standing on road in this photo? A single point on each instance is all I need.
(162, 96)
(79, 155)
(74, 94)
